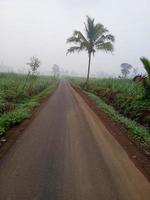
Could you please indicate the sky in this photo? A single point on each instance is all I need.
(40, 28)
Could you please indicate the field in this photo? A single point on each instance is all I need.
(123, 96)
(19, 94)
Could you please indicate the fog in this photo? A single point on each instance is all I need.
(40, 28)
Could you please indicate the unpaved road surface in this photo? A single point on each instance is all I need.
(66, 153)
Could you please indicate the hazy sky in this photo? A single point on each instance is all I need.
(41, 27)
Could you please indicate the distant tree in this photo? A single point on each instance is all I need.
(34, 64)
(125, 69)
(97, 38)
(56, 70)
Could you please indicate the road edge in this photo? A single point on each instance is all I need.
(14, 132)
(140, 160)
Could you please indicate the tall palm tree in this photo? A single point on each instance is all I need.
(97, 38)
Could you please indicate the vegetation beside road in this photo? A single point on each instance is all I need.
(19, 94)
(122, 99)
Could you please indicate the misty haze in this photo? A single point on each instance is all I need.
(74, 100)
(40, 28)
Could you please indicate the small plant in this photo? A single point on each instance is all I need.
(34, 64)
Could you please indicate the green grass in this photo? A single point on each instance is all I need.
(125, 95)
(15, 88)
(24, 103)
(136, 130)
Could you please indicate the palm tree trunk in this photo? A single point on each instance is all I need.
(89, 64)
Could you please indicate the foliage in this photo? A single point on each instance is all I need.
(2, 104)
(146, 81)
(96, 37)
(146, 64)
(12, 118)
(125, 95)
(137, 131)
(24, 105)
(34, 64)
(13, 89)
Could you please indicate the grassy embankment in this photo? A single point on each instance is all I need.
(124, 101)
(19, 94)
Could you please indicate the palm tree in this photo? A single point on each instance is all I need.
(97, 38)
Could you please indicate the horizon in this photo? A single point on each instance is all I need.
(33, 28)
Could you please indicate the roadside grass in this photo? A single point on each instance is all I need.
(23, 110)
(17, 88)
(136, 130)
(125, 95)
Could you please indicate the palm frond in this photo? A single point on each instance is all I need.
(89, 28)
(106, 46)
(146, 63)
(73, 39)
(110, 37)
(99, 30)
(80, 36)
(73, 49)
(77, 37)
(105, 38)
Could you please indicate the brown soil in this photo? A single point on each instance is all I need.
(139, 156)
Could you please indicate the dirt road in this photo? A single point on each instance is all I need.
(66, 153)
